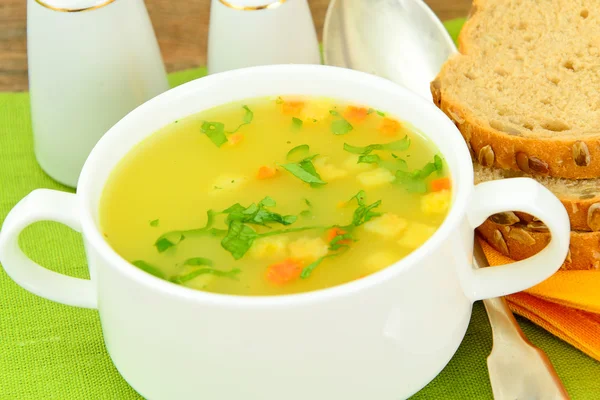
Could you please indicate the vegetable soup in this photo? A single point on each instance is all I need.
(275, 196)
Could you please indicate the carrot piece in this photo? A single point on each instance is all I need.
(284, 272)
(235, 139)
(356, 114)
(335, 232)
(437, 185)
(266, 172)
(389, 127)
(292, 107)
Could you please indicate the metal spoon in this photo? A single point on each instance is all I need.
(404, 41)
(401, 40)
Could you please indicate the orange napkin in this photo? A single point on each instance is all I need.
(566, 305)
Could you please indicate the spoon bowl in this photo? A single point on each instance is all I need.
(401, 40)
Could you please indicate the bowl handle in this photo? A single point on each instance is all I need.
(43, 205)
(524, 195)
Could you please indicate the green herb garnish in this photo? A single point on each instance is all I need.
(296, 124)
(307, 271)
(248, 117)
(308, 203)
(154, 223)
(149, 268)
(173, 238)
(341, 127)
(215, 132)
(204, 271)
(369, 159)
(197, 261)
(305, 171)
(398, 145)
(380, 113)
(415, 182)
(364, 212)
(336, 244)
(298, 153)
(239, 239)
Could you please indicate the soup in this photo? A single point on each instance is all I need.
(275, 196)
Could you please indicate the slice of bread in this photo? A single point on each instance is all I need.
(525, 89)
(581, 198)
(520, 242)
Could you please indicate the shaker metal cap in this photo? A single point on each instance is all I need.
(73, 5)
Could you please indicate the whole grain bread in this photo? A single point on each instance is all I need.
(525, 89)
(520, 242)
(581, 198)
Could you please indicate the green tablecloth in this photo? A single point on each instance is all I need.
(52, 351)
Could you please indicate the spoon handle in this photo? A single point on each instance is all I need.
(517, 369)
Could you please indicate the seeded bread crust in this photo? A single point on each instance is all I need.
(513, 89)
(519, 243)
(581, 198)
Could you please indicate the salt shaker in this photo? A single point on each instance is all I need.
(246, 33)
(90, 63)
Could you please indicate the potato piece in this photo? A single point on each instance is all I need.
(415, 235)
(436, 202)
(388, 225)
(226, 183)
(378, 261)
(308, 249)
(376, 177)
(315, 110)
(270, 247)
(351, 164)
(327, 171)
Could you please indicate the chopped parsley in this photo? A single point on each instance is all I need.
(364, 212)
(149, 268)
(369, 159)
(415, 181)
(398, 145)
(204, 271)
(298, 153)
(215, 132)
(296, 124)
(340, 126)
(307, 271)
(154, 223)
(197, 261)
(248, 117)
(305, 171)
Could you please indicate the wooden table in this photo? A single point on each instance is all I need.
(181, 27)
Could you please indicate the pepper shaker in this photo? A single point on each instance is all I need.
(90, 63)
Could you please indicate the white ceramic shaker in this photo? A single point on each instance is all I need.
(90, 63)
(245, 33)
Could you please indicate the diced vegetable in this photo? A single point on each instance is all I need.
(436, 202)
(356, 114)
(334, 232)
(270, 247)
(327, 171)
(284, 272)
(415, 235)
(292, 107)
(377, 177)
(437, 185)
(308, 249)
(388, 225)
(316, 110)
(390, 127)
(236, 139)
(266, 172)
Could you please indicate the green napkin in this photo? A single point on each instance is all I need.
(52, 351)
